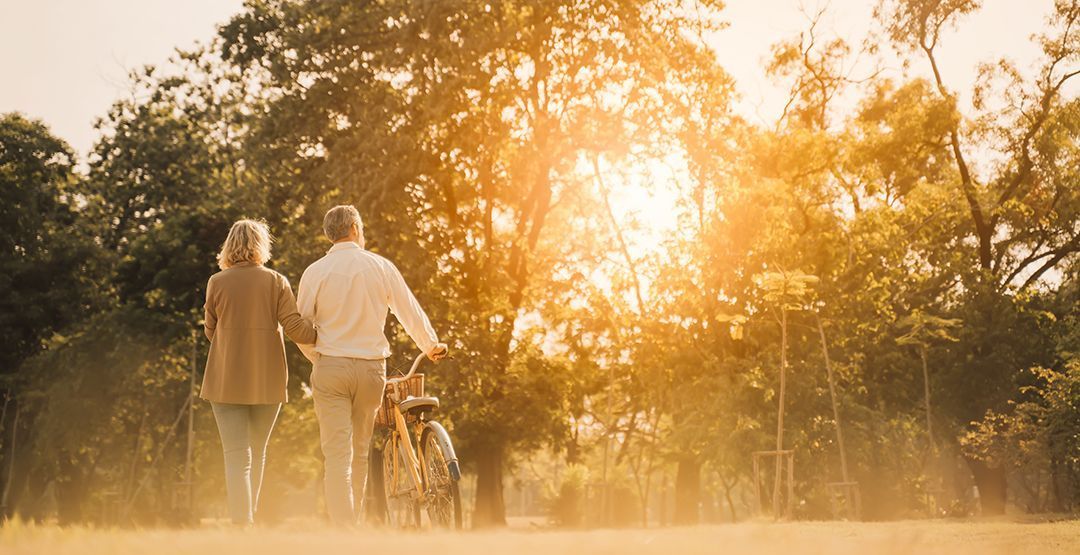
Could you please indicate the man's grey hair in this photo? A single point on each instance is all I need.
(339, 220)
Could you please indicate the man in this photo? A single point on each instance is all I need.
(346, 295)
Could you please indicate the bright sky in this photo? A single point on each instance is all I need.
(65, 61)
(1002, 28)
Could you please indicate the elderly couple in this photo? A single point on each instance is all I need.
(337, 319)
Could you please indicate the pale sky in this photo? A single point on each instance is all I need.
(1002, 28)
(65, 61)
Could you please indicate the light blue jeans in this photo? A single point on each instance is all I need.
(245, 431)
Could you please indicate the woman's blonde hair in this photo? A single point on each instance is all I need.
(248, 241)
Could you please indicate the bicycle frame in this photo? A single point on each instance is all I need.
(401, 429)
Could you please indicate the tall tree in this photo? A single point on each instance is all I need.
(922, 330)
(463, 124)
(48, 267)
(1031, 130)
(46, 253)
(786, 291)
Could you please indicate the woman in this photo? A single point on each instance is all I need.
(247, 306)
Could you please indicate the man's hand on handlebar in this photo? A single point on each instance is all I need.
(439, 351)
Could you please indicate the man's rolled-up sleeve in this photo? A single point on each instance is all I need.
(407, 310)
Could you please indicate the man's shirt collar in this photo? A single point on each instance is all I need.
(342, 246)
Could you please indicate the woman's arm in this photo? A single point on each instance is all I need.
(296, 327)
(210, 312)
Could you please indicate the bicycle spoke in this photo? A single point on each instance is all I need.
(400, 504)
(439, 488)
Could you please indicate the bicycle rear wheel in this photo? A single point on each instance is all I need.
(402, 507)
(441, 489)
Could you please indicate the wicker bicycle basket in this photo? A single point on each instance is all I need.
(412, 387)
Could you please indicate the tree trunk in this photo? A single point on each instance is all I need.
(728, 486)
(71, 490)
(189, 452)
(605, 500)
(643, 478)
(780, 415)
(688, 491)
(926, 401)
(835, 404)
(573, 450)
(1053, 488)
(992, 487)
(663, 501)
(5, 510)
(3, 415)
(490, 510)
(136, 456)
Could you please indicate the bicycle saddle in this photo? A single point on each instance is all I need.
(422, 403)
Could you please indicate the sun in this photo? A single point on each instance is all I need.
(645, 203)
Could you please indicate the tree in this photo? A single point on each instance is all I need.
(1033, 183)
(834, 401)
(47, 259)
(162, 187)
(922, 330)
(490, 107)
(1036, 436)
(487, 146)
(786, 291)
(48, 265)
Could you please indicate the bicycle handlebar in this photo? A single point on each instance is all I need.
(416, 364)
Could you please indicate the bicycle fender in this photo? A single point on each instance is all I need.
(447, 447)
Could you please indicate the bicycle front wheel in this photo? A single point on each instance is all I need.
(441, 489)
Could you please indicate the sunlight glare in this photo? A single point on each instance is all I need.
(645, 203)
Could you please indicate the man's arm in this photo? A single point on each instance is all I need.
(407, 310)
(305, 304)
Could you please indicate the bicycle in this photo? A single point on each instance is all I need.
(420, 475)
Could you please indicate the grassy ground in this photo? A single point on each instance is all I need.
(920, 537)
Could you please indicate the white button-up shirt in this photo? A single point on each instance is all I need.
(346, 295)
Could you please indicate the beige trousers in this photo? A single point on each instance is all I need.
(347, 392)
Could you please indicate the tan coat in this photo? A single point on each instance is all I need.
(247, 306)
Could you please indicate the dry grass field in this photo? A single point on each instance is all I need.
(921, 537)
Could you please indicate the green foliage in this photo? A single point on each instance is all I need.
(788, 290)
(567, 506)
(105, 399)
(47, 259)
(457, 130)
(923, 329)
(484, 143)
(1038, 437)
